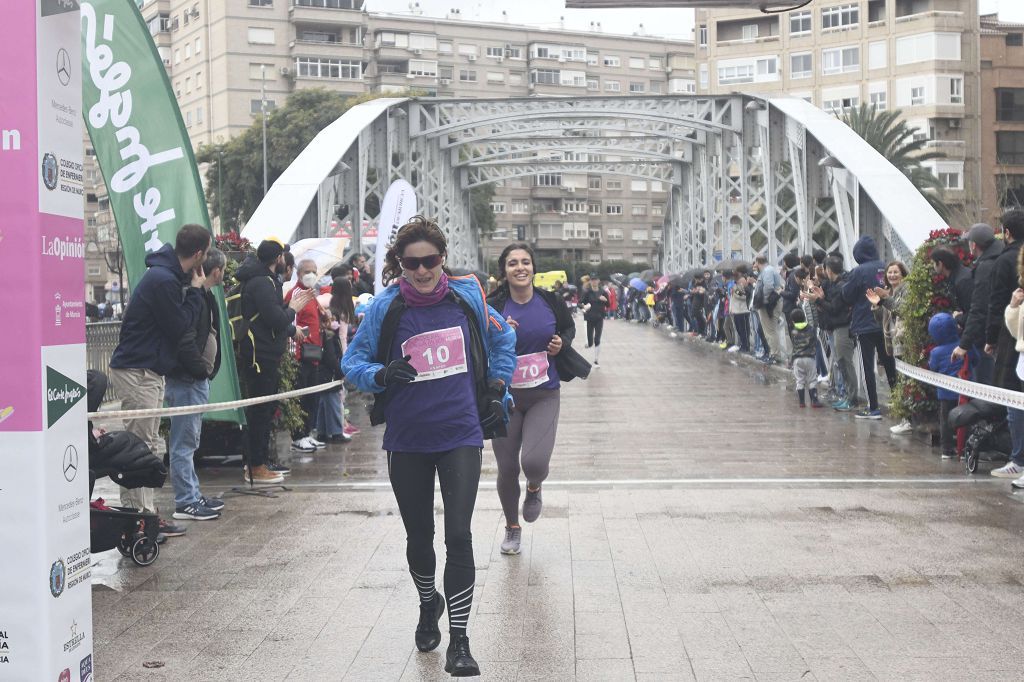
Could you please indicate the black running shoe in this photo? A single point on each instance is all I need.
(428, 635)
(458, 661)
(278, 468)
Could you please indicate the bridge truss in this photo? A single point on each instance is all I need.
(746, 174)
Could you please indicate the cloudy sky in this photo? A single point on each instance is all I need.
(670, 23)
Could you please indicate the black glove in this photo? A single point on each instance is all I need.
(492, 415)
(397, 373)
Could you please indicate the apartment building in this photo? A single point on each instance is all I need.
(1002, 116)
(221, 56)
(920, 56)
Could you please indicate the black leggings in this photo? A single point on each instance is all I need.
(594, 329)
(412, 479)
(869, 343)
(742, 323)
(260, 418)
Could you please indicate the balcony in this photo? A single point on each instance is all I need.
(301, 11)
(933, 19)
(316, 48)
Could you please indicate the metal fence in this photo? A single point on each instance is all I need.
(100, 342)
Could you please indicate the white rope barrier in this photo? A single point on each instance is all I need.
(212, 407)
(971, 389)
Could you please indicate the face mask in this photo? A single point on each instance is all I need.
(309, 280)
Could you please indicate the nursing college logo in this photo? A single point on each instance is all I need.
(85, 669)
(50, 171)
(57, 576)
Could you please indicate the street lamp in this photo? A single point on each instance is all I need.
(220, 192)
(263, 110)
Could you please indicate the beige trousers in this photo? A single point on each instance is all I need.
(141, 389)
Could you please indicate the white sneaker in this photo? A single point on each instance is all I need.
(1008, 470)
(1018, 483)
(903, 428)
(823, 379)
(303, 445)
(318, 444)
(733, 349)
(674, 335)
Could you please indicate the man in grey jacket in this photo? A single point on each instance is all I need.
(770, 282)
(985, 248)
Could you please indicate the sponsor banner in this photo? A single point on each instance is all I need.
(399, 205)
(143, 150)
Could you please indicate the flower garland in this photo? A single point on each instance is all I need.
(927, 294)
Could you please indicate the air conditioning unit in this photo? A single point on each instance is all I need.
(471, 57)
(285, 71)
(561, 59)
(499, 59)
(167, 61)
(570, 190)
(445, 81)
(955, 123)
(417, 51)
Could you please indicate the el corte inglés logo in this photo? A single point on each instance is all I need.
(62, 394)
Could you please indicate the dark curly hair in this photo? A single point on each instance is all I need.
(418, 229)
(515, 246)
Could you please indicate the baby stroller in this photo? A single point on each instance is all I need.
(988, 437)
(127, 460)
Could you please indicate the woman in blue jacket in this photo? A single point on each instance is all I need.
(439, 359)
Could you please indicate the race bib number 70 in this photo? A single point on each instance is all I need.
(531, 370)
(437, 354)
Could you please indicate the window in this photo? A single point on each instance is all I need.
(840, 16)
(550, 231)
(515, 78)
(878, 57)
(924, 47)
(749, 31)
(177, 56)
(840, 104)
(514, 52)
(592, 58)
(422, 67)
(656, 186)
(574, 206)
(520, 206)
(655, 63)
(188, 84)
(767, 67)
(328, 4)
(1015, 39)
(611, 60)
(594, 208)
(256, 108)
(840, 60)
(656, 87)
(638, 185)
(497, 207)
(640, 235)
(188, 118)
(684, 86)
(422, 41)
(594, 183)
(495, 77)
(879, 100)
(467, 75)
(444, 46)
(593, 84)
(161, 23)
(951, 178)
(702, 36)
(321, 67)
(703, 71)
(635, 86)
(956, 90)
(188, 50)
(636, 62)
(916, 96)
(199, 80)
(94, 270)
(614, 233)
(658, 210)
(613, 184)
(613, 209)
(199, 46)
(549, 180)
(799, 23)
(800, 65)
(467, 50)
(1010, 147)
(261, 36)
(544, 76)
(638, 210)
(576, 79)
(495, 51)
(1010, 104)
(736, 74)
(612, 86)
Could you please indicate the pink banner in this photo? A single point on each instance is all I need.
(20, 170)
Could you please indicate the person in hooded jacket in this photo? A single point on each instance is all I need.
(271, 324)
(868, 275)
(188, 383)
(986, 249)
(943, 330)
(833, 314)
(165, 304)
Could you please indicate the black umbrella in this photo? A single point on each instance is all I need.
(730, 264)
(618, 278)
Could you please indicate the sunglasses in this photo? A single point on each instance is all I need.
(413, 263)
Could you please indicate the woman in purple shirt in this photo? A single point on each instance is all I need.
(544, 333)
(439, 360)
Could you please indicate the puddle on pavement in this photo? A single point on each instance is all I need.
(363, 513)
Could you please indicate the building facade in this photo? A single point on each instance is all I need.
(1002, 116)
(918, 56)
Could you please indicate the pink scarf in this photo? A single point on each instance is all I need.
(417, 300)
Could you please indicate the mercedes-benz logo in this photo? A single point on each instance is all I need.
(63, 66)
(70, 463)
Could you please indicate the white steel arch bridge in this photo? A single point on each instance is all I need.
(747, 174)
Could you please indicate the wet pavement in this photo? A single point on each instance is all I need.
(697, 525)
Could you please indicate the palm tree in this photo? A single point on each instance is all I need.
(894, 139)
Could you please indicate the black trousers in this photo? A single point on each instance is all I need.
(947, 435)
(412, 479)
(260, 417)
(869, 343)
(307, 376)
(742, 323)
(594, 329)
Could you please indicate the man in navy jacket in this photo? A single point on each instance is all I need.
(164, 305)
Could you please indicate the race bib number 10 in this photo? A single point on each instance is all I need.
(437, 354)
(531, 370)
